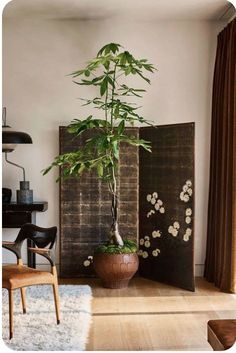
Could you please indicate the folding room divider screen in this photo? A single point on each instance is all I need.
(156, 206)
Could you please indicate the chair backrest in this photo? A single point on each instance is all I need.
(41, 237)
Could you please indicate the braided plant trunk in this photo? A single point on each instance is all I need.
(115, 237)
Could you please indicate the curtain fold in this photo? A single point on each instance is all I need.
(220, 264)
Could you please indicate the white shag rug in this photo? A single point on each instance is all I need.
(37, 330)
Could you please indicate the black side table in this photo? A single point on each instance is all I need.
(14, 215)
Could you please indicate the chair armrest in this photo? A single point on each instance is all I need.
(13, 247)
(49, 254)
(40, 250)
(8, 243)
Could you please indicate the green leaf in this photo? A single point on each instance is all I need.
(110, 81)
(84, 83)
(115, 149)
(148, 67)
(103, 87)
(46, 170)
(106, 64)
(78, 126)
(100, 169)
(111, 47)
(76, 73)
(81, 169)
(121, 127)
(128, 70)
(143, 77)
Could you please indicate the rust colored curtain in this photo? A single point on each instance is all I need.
(220, 265)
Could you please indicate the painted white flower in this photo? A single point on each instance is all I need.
(174, 232)
(90, 257)
(145, 254)
(185, 188)
(188, 220)
(153, 201)
(160, 202)
(147, 244)
(140, 252)
(189, 183)
(186, 237)
(186, 198)
(190, 191)
(146, 237)
(141, 241)
(150, 213)
(86, 263)
(170, 229)
(155, 195)
(156, 234)
(188, 212)
(181, 196)
(162, 210)
(176, 225)
(157, 206)
(188, 231)
(154, 253)
(149, 197)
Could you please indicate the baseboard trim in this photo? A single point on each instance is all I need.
(199, 270)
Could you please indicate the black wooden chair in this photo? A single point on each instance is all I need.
(19, 276)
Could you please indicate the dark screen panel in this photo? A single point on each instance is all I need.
(85, 207)
(166, 205)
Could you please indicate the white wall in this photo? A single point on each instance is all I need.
(37, 55)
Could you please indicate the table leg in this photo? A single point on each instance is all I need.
(30, 255)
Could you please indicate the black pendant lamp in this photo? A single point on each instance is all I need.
(10, 139)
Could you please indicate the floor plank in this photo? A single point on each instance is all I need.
(154, 316)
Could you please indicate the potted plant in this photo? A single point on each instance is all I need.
(116, 261)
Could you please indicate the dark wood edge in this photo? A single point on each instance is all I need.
(39, 250)
(61, 128)
(165, 125)
(34, 207)
(194, 203)
(213, 340)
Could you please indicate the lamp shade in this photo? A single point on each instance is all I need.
(11, 138)
(15, 137)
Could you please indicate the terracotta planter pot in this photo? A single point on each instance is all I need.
(115, 270)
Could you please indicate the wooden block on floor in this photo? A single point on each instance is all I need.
(221, 334)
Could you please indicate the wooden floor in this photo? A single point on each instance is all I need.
(153, 316)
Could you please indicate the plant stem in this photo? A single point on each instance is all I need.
(112, 94)
(115, 237)
(106, 98)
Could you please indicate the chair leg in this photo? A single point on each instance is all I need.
(56, 294)
(23, 299)
(56, 300)
(11, 303)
